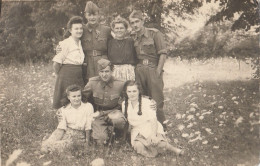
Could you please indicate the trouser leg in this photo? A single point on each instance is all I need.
(99, 130)
(141, 78)
(155, 86)
(152, 85)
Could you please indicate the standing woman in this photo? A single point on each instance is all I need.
(147, 135)
(68, 62)
(121, 50)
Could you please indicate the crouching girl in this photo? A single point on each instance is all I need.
(75, 124)
(147, 135)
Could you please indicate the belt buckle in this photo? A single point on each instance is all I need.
(145, 62)
(94, 53)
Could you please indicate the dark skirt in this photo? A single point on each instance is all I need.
(68, 75)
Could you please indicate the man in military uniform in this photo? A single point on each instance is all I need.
(105, 92)
(94, 40)
(151, 53)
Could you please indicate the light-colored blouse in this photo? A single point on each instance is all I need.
(141, 124)
(78, 119)
(71, 53)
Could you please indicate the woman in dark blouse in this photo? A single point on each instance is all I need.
(121, 50)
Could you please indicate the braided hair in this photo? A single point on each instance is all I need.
(132, 83)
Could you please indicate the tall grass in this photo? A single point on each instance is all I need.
(25, 105)
(224, 113)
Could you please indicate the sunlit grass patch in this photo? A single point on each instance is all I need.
(178, 72)
(216, 120)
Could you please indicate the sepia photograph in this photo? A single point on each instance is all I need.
(129, 82)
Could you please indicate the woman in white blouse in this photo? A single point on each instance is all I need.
(147, 135)
(75, 124)
(67, 64)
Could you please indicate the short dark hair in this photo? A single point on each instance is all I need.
(73, 20)
(71, 88)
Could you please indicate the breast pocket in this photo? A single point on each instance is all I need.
(86, 38)
(86, 42)
(148, 46)
(98, 98)
(102, 41)
(114, 96)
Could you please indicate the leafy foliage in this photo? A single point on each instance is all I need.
(30, 30)
(248, 10)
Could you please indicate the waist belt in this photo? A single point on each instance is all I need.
(104, 108)
(148, 62)
(95, 53)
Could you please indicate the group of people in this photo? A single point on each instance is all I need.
(106, 76)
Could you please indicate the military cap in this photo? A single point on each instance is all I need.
(136, 14)
(91, 8)
(103, 63)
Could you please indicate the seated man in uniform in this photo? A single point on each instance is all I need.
(104, 91)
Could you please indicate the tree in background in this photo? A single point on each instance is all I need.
(30, 30)
(248, 10)
(17, 37)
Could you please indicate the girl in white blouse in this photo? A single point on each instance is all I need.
(67, 64)
(75, 124)
(147, 135)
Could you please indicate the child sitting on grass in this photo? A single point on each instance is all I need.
(75, 124)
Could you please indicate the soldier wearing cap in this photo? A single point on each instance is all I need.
(94, 40)
(105, 92)
(151, 53)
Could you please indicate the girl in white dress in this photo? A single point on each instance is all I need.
(147, 135)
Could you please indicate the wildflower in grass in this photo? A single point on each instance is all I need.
(251, 114)
(190, 117)
(178, 116)
(181, 127)
(16, 153)
(220, 107)
(184, 135)
(190, 125)
(196, 138)
(205, 142)
(239, 120)
(208, 130)
(47, 163)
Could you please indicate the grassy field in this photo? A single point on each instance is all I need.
(215, 119)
